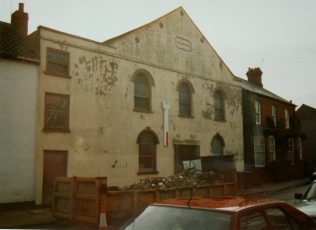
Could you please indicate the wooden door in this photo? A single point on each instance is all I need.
(55, 165)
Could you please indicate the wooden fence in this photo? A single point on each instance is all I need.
(80, 199)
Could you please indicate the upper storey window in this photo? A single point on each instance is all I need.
(287, 119)
(273, 115)
(56, 112)
(219, 106)
(258, 112)
(57, 62)
(185, 99)
(142, 91)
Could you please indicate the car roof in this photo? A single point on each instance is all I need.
(231, 204)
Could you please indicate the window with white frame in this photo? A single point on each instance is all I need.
(259, 151)
(287, 119)
(272, 156)
(273, 114)
(258, 112)
(299, 146)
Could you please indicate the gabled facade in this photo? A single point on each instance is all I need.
(18, 106)
(134, 106)
(272, 137)
(307, 117)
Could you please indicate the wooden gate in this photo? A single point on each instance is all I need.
(79, 198)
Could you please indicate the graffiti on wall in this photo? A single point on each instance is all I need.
(96, 74)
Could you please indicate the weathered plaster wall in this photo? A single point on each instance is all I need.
(103, 126)
(173, 42)
(18, 94)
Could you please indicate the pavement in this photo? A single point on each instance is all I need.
(35, 215)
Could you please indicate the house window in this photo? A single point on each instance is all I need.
(219, 106)
(271, 148)
(142, 92)
(217, 145)
(299, 147)
(259, 151)
(273, 114)
(185, 107)
(287, 119)
(57, 62)
(258, 112)
(56, 113)
(290, 145)
(290, 154)
(147, 141)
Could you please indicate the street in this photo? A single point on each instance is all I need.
(284, 195)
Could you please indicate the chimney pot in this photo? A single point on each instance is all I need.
(21, 7)
(19, 20)
(254, 76)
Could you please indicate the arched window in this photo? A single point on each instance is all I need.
(219, 106)
(142, 91)
(185, 99)
(147, 141)
(217, 145)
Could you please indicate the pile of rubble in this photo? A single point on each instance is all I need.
(184, 179)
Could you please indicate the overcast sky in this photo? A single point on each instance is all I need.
(279, 36)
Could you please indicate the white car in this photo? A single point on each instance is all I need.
(307, 201)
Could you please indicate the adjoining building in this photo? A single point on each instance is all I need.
(272, 135)
(18, 110)
(307, 117)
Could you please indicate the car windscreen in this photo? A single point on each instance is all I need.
(310, 192)
(174, 218)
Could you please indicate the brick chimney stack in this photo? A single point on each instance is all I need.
(254, 76)
(19, 20)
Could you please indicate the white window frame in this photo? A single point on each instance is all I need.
(258, 112)
(287, 118)
(273, 114)
(259, 149)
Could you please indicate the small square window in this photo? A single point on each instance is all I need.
(56, 113)
(57, 62)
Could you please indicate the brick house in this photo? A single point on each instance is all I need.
(272, 137)
(307, 116)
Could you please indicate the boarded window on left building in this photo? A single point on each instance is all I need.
(56, 112)
(57, 62)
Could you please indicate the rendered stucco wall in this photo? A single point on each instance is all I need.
(103, 125)
(18, 95)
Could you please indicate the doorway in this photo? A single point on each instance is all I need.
(54, 165)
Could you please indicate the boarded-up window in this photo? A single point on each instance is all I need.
(57, 62)
(56, 112)
(142, 93)
(185, 153)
